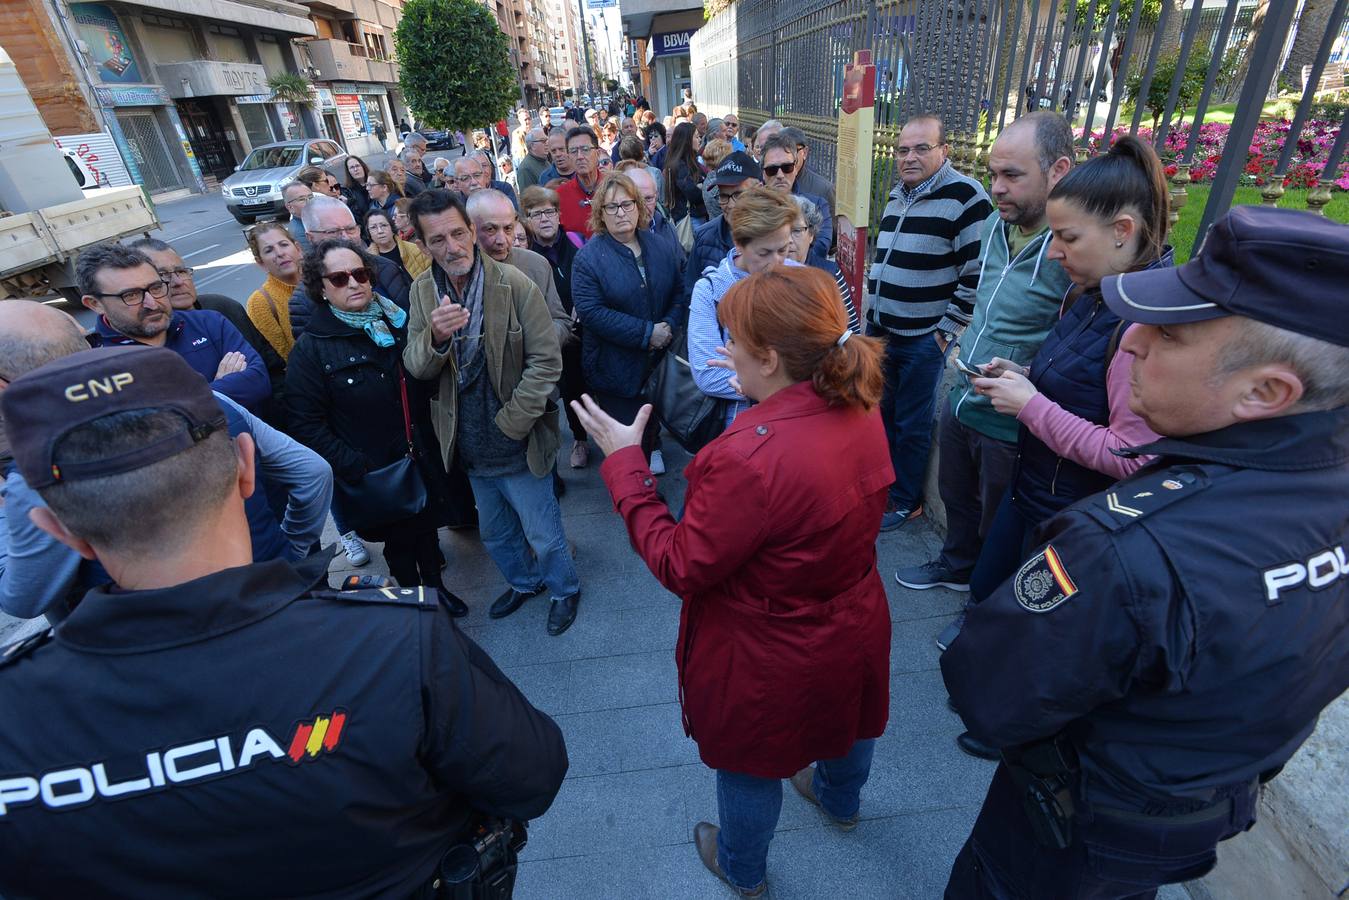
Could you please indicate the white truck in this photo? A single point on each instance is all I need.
(45, 216)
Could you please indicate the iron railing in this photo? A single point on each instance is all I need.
(982, 63)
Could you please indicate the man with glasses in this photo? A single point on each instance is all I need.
(327, 219)
(584, 149)
(132, 299)
(808, 181)
(712, 240)
(183, 296)
(295, 195)
(781, 166)
(535, 160)
(920, 291)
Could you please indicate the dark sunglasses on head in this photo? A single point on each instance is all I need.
(340, 279)
(785, 169)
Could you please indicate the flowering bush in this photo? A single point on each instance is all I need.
(1304, 169)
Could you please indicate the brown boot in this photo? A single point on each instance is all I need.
(705, 842)
(804, 782)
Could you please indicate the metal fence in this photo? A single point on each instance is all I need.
(983, 63)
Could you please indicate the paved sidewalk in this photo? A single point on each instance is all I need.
(622, 824)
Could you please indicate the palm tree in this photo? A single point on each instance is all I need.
(293, 90)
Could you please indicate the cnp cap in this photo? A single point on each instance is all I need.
(737, 167)
(1283, 267)
(47, 403)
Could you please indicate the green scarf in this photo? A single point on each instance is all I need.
(371, 319)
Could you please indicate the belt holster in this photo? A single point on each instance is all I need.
(1047, 775)
(482, 866)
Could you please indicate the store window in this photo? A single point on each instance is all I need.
(257, 127)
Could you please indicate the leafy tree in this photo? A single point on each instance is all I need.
(1151, 10)
(1191, 86)
(454, 64)
(294, 91)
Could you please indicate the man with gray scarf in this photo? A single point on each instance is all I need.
(482, 330)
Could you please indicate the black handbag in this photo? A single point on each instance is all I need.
(693, 418)
(390, 493)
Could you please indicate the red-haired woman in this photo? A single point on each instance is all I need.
(784, 638)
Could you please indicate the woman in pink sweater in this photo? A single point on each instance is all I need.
(1107, 216)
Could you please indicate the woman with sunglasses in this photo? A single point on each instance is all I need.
(344, 395)
(277, 254)
(385, 241)
(627, 287)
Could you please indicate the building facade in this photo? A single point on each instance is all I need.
(663, 29)
(351, 61)
(569, 55)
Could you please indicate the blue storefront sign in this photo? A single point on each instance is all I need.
(671, 43)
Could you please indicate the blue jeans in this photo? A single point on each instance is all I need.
(1005, 548)
(516, 512)
(912, 367)
(748, 807)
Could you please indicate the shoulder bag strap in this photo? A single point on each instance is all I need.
(407, 415)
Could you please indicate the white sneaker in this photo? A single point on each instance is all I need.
(657, 463)
(357, 555)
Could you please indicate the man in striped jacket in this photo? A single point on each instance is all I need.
(921, 291)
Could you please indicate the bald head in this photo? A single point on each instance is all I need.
(493, 218)
(646, 186)
(33, 334)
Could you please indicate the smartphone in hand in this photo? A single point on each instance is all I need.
(968, 370)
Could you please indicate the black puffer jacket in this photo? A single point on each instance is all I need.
(390, 281)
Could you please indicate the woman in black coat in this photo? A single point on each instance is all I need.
(354, 194)
(345, 403)
(683, 177)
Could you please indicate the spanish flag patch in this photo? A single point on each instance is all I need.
(1043, 582)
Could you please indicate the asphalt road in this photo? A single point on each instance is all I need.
(212, 243)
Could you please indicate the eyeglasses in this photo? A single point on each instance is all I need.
(297, 200)
(540, 215)
(347, 230)
(180, 272)
(625, 207)
(921, 150)
(581, 151)
(728, 199)
(465, 179)
(136, 296)
(341, 279)
(784, 168)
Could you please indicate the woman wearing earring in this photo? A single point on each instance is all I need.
(349, 399)
(277, 254)
(1107, 216)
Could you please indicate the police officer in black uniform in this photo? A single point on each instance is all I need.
(1174, 638)
(211, 727)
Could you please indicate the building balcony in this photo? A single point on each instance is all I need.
(341, 9)
(339, 61)
(383, 71)
(211, 78)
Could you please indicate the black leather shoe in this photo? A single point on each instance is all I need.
(562, 613)
(510, 601)
(967, 743)
(455, 604)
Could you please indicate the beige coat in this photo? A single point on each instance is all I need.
(523, 360)
(541, 273)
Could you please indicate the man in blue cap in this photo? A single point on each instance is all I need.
(1163, 651)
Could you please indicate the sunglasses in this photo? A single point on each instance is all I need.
(785, 169)
(341, 279)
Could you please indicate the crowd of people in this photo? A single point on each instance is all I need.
(417, 339)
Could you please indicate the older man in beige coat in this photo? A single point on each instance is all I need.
(483, 331)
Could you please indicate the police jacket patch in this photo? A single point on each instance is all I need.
(1042, 583)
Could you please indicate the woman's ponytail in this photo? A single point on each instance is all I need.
(797, 311)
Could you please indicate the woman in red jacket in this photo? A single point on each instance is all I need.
(784, 638)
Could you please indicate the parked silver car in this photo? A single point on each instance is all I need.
(255, 187)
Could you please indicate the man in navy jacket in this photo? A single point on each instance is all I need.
(132, 299)
(712, 240)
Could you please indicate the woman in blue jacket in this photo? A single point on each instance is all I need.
(627, 293)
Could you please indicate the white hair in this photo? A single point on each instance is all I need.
(315, 208)
(479, 200)
(1322, 366)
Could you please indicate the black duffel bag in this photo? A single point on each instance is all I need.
(693, 418)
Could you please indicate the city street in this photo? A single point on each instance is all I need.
(622, 825)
